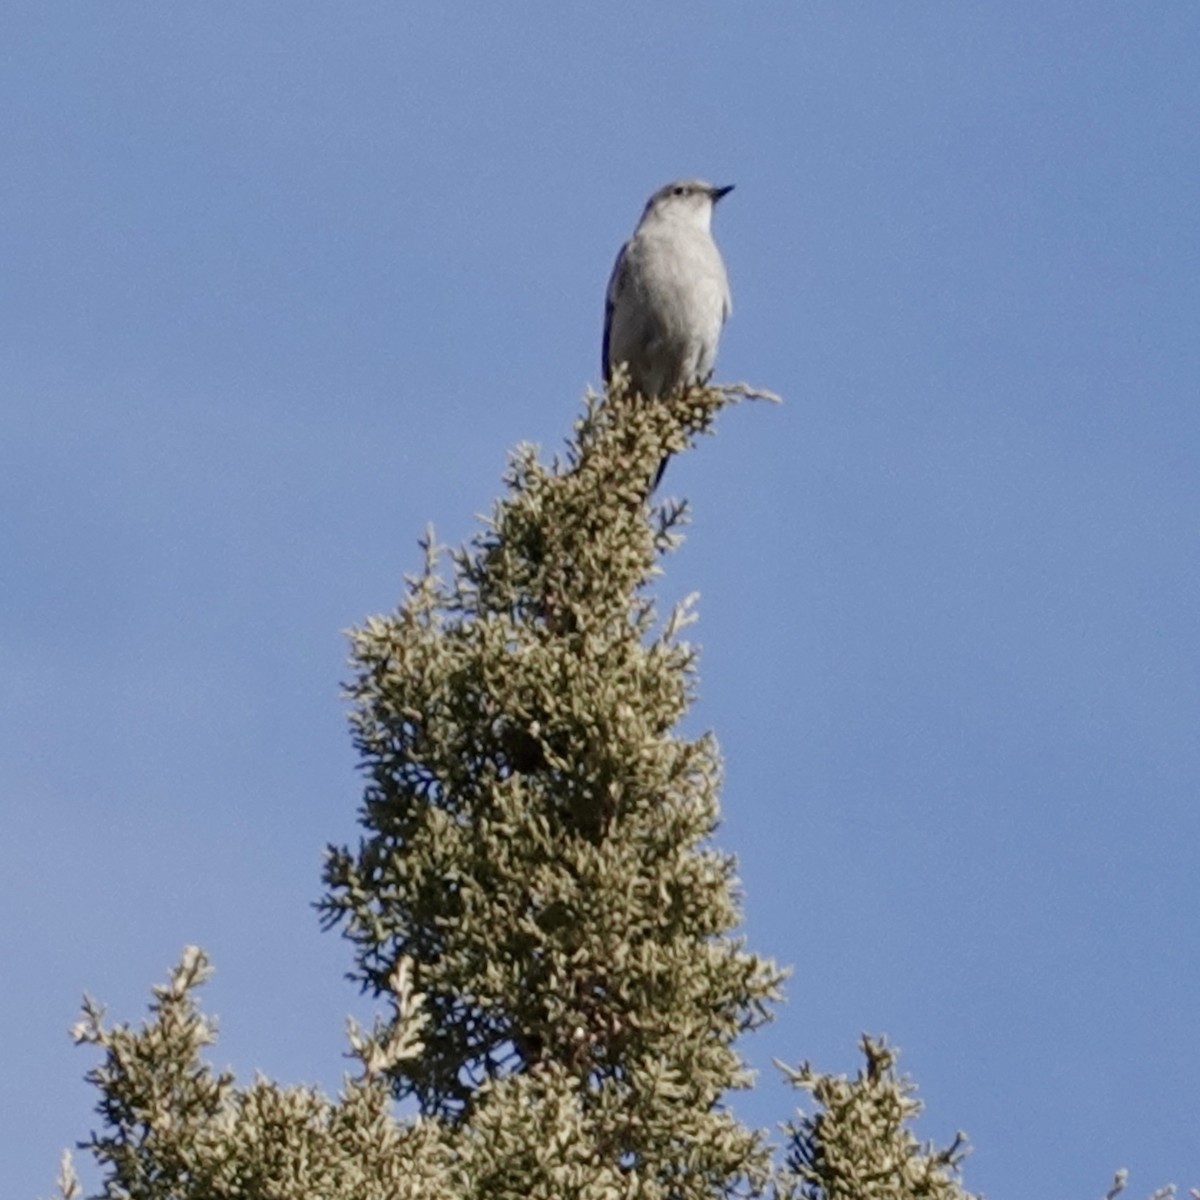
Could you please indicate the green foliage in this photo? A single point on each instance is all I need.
(176, 1129)
(537, 836)
(860, 1145)
(535, 896)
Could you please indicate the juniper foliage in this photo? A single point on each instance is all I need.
(537, 832)
(860, 1145)
(535, 896)
(174, 1128)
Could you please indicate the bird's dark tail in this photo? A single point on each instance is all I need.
(662, 470)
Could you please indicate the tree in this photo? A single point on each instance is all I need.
(535, 894)
(860, 1145)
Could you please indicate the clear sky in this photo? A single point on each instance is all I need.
(283, 282)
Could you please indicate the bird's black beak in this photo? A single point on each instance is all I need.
(717, 193)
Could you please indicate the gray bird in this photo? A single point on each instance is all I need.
(668, 296)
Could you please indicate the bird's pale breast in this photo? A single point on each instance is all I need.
(667, 318)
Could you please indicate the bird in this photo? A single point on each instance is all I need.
(668, 295)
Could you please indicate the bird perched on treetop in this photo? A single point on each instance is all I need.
(668, 295)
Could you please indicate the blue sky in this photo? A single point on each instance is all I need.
(284, 282)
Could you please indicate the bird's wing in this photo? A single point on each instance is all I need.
(615, 283)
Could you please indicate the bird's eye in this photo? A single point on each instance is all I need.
(679, 191)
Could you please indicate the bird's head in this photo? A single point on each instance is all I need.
(686, 201)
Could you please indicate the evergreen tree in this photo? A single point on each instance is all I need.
(177, 1130)
(535, 895)
(537, 833)
(860, 1144)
